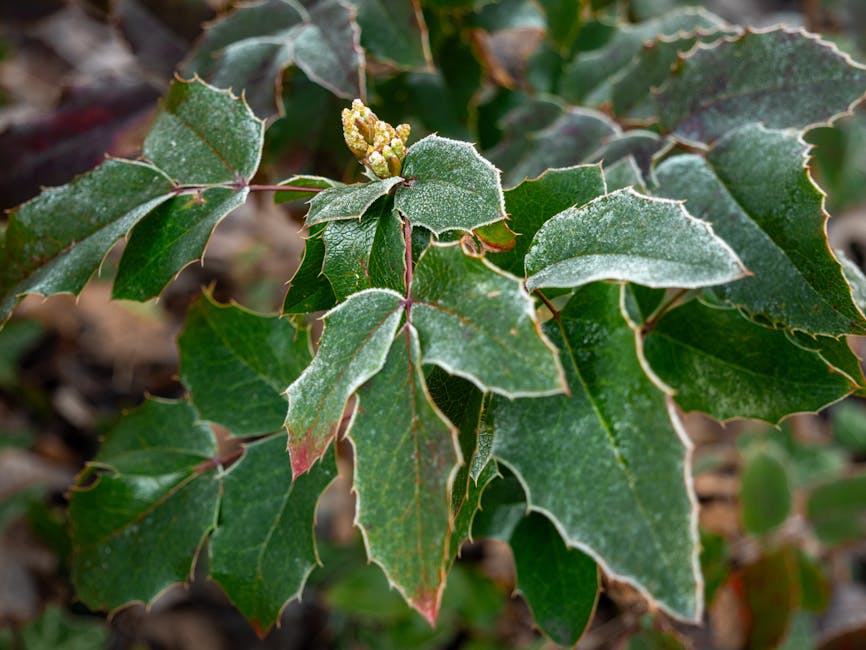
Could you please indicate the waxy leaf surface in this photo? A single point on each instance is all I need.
(478, 323)
(406, 455)
(237, 364)
(626, 236)
(264, 547)
(723, 364)
(137, 529)
(450, 186)
(785, 79)
(353, 348)
(608, 447)
(753, 187)
(310, 290)
(348, 201)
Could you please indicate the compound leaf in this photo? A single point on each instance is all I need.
(626, 236)
(449, 186)
(755, 190)
(406, 456)
(138, 528)
(262, 555)
(721, 363)
(353, 348)
(236, 365)
(348, 201)
(478, 323)
(608, 447)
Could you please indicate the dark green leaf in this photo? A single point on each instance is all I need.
(138, 528)
(836, 510)
(57, 630)
(563, 22)
(765, 492)
(480, 324)
(394, 31)
(849, 425)
(814, 582)
(353, 348)
(755, 190)
(609, 447)
(715, 564)
(626, 236)
(772, 591)
(236, 365)
(348, 201)
(406, 456)
(310, 289)
(721, 363)
(315, 183)
(16, 340)
(261, 554)
(784, 78)
(639, 303)
(503, 507)
(450, 186)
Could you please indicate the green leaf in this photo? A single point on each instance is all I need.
(348, 201)
(449, 186)
(406, 457)
(262, 555)
(765, 492)
(814, 582)
(168, 239)
(785, 78)
(310, 289)
(755, 190)
(638, 303)
(138, 528)
(721, 363)
(315, 183)
(626, 236)
(58, 630)
(478, 323)
(394, 31)
(503, 507)
(849, 426)
(560, 584)
(353, 348)
(772, 591)
(533, 202)
(563, 22)
(367, 253)
(16, 340)
(608, 447)
(836, 510)
(855, 277)
(715, 563)
(236, 365)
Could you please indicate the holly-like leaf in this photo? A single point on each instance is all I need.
(784, 78)
(406, 456)
(533, 202)
(262, 555)
(353, 348)
(137, 529)
(348, 201)
(626, 236)
(310, 289)
(367, 253)
(608, 447)
(721, 363)
(394, 31)
(476, 322)
(236, 365)
(755, 190)
(449, 186)
(314, 183)
(503, 507)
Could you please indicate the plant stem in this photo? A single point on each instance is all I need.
(218, 461)
(661, 310)
(553, 310)
(283, 188)
(407, 241)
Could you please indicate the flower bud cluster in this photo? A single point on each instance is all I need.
(375, 143)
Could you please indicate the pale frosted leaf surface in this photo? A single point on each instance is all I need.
(609, 447)
(754, 188)
(406, 454)
(394, 30)
(310, 290)
(136, 529)
(478, 323)
(348, 201)
(720, 363)
(626, 236)
(353, 348)
(449, 186)
(784, 78)
(855, 277)
(236, 365)
(262, 555)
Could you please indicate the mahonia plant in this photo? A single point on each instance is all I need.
(505, 363)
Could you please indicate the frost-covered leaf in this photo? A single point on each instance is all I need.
(784, 78)
(406, 455)
(721, 363)
(137, 529)
(315, 183)
(367, 253)
(353, 348)
(236, 365)
(755, 190)
(309, 289)
(262, 555)
(449, 186)
(608, 447)
(394, 31)
(348, 201)
(478, 323)
(626, 236)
